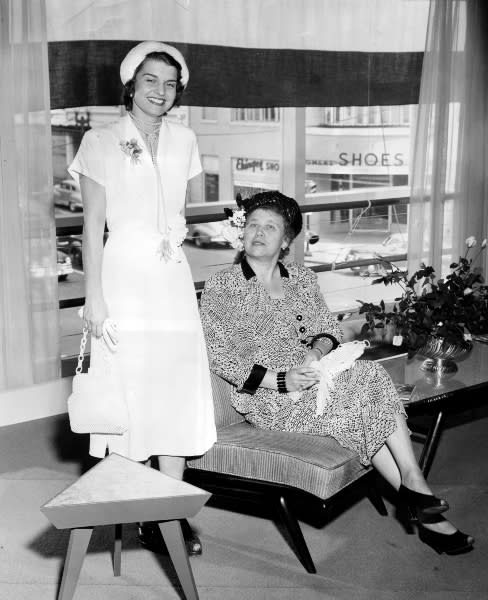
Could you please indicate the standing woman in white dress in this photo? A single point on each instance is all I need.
(133, 175)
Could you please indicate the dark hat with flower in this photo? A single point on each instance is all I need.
(274, 200)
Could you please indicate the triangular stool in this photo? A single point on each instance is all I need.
(118, 490)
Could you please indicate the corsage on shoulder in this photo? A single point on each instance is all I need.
(233, 226)
(132, 149)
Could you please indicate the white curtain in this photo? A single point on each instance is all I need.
(340, 25)
(29, 330)
(449, 185)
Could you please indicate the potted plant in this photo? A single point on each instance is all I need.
(434, 317)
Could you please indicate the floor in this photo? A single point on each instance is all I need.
(358, 554)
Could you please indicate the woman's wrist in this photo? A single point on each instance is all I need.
(316, 352)
(325, 339)
(323, 346)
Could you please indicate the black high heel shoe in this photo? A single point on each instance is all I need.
(420, 505)
(450, 543)
(192, 541)
(149, 536)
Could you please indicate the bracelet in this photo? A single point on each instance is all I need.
(324, 346)
(319, 350)
(315, 338)
(280, 380)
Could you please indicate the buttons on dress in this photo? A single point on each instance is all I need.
(302, 329)
(299, 317)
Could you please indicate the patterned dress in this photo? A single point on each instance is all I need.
(246, 330)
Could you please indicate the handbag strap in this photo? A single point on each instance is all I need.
(81, 356)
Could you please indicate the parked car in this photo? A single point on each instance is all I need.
(311, 237)
(394, 244)
(41, 267)
(72, 245)
(67, 194)
(310, 186)
(64, 266)
(206, 235)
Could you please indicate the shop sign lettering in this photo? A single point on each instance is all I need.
(327, 163)
(253, 164)
(370, 159)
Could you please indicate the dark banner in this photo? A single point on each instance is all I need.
(86, 73)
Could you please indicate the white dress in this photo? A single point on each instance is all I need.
(161, 355)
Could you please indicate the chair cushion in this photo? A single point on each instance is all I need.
(316, 464)
(225, 413)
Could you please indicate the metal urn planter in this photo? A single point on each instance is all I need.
(441, 355)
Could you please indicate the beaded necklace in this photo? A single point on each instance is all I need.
(150, 134)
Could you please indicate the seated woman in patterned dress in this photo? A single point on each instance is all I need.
(265, 323)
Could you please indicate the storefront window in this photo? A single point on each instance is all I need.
(251, 175)
(361, 158)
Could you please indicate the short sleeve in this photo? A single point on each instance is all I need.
(89, 159)
(195, 165)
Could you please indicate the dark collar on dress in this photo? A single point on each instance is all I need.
(248, 272)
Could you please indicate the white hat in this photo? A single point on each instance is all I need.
(137, 54)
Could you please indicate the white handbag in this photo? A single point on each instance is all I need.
(97, 402)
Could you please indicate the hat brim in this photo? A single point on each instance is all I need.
(136, 55)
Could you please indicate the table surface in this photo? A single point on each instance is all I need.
(431, 387)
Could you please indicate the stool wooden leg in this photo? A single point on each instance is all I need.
(78, 544)
(117, 549)
(173, 536)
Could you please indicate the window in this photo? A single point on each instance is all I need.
(210, 166)
(372, 113)
(351, 116)
(350, 152)
(360, 117)
(211, 182)
(356, 154)
(405, 115)
(255, 115)
(209, 113)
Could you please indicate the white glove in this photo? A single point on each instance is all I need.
(333, 363)
(109, 332)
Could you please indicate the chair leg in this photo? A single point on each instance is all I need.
(78, 544)
(293, 528)
(117, 549)
(375, 497)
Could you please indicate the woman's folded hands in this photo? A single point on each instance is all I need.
(301, 378)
